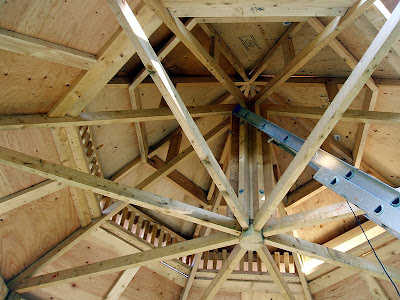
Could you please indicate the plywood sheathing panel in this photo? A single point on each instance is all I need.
(31, 85)
(33, 229)
(251, 41)
(81, 25)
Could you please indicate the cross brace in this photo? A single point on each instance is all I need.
(377, 199)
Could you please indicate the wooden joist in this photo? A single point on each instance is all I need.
(3, 289)
(121, 284)
(108, 117)
(227, 268)
(332, 256)
(360, 139)
(275, 273)
(303, 193)
(331, 31)
(118, 264)
(117, 191)
(27, 45)
(146, 53)
(350, 115)
(187, 38)
(372, 57)
(29, 194)
(340, 50)
(110, 59)
(240, 9)
(325, 214)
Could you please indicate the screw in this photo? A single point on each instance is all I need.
(241, 191)
(261, 192)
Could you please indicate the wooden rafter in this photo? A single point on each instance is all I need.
(117, 191)
(138, 37)
(121, 284)
(211, 242)
(111, 58)
(108, 117)
(335, 257)
(331, 31)
(375, 53)
(186, 37)
(23, 44)
(325, 214)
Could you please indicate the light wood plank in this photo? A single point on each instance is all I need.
(168, 47)
(185, 36)
(303, 193)
(228, 20)
(140, 127)
(339, 105)
(29, 194)
(321, 215)
(27, 45)
(117, 191)
(275, 273)
(118, 264)
(121, 284)
(256, 9)
(108, 117)
(332, 256)
(331, 31)
(360, 139)
(375, 289)
(3, 289)
(227, 268)
(138, 37)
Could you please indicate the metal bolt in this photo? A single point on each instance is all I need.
(261, 192)
(241, 191)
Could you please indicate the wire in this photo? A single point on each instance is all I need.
(373, 250)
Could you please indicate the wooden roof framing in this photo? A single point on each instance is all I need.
(246, 176)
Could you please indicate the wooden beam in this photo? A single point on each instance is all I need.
(350, 115)
(275, 273)
(385, 252)
(334, 28)
(174, 147)
(375, 289)
(332, 256)
(262, 65)
(121, 284)
(341, 50)
(3, 289)
(213, 20)
(303, 193)
(15, 296)
(257, 9)
(225, 50)
(167, 49)
(110, 59)
(227, 268)
(29, 194)
(116, 191)
(336, 109)
(188, 187)
(27, 45)
(187, 38)
(270, 181)
(118, 264)
(108, 117)
(360, 139)
(321, 215)
(63, 247)
(146, 53)
(140, 127)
